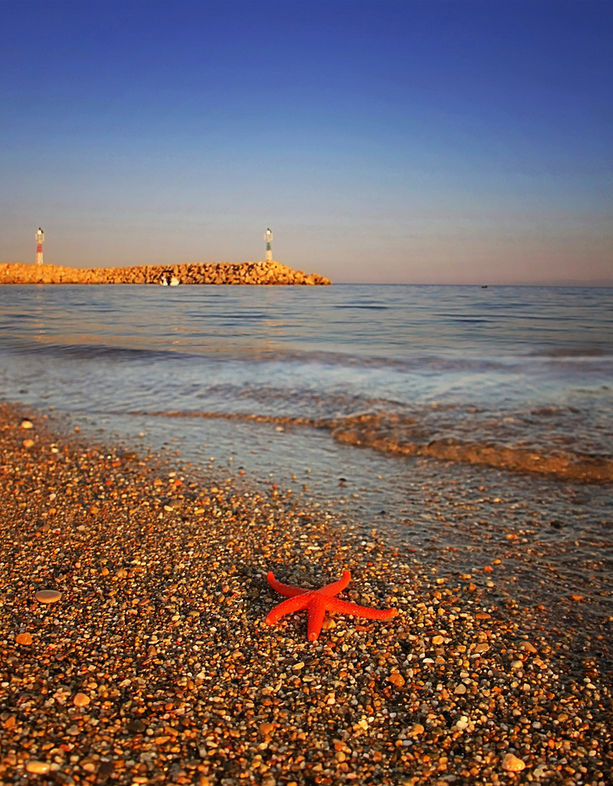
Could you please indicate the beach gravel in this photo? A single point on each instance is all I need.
(154, 666)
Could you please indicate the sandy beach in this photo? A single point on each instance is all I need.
(155, 665)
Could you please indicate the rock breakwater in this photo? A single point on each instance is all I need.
(249, 273)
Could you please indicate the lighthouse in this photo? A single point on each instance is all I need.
(268, 238)
(40, 237)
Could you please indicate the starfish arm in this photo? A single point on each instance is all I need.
(284, 589)
(342, 606)
(292, 604)
(337, 586)
(317, 612)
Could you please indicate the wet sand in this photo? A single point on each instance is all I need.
(155, 665)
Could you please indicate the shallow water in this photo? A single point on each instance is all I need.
(502, 367)
(297, 385)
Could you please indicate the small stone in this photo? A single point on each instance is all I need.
(438, 639)
(48, 596)
(576, 598)
(28, 443)
(39, 767)
(416, 730)
(267, 729)
(24, 638)
(397, 679)
(27, 424)
(460, 689)
(527, 647)
(80, 700)
(298, 666)
(511, 763)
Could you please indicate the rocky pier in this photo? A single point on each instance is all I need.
(247, 273)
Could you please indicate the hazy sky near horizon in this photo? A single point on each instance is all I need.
(384, 141)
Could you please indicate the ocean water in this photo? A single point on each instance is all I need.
(506, 367)
(374, 396)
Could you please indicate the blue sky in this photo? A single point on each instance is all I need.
(383, 141)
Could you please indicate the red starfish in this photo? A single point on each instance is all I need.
(317, 602)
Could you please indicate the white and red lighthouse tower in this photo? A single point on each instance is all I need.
(40, 238)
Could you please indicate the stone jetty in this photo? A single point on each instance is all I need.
(268, 272)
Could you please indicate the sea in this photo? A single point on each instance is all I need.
(343, 393)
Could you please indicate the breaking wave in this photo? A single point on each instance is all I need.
(396, 434)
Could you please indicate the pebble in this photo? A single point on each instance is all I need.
(511, 763)
(81, 700)
(39, 767)
(48, 596)
(27, 424)
(24, 638)
(28, 443)
(397, 679)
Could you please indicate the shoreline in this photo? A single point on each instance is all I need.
(370, 431)
(155, 664)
